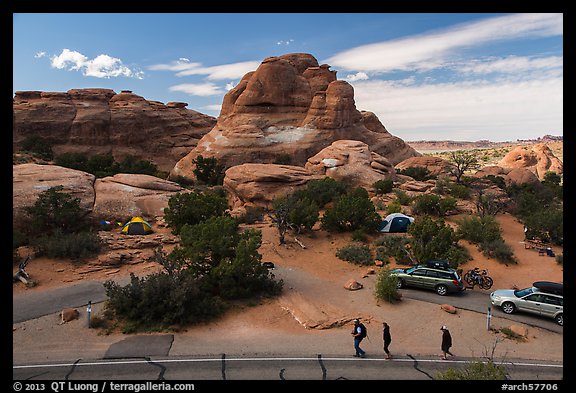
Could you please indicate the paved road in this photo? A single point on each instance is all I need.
(33, 305)
(478, 301)
(320, 367)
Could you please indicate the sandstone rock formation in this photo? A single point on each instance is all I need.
(98, 121)
(29, 180)
(510, 176)
(125, 195)
(539, 159)
(351, 162)
(259, 184)
(436, 166)
(117, 197)
(290, 105)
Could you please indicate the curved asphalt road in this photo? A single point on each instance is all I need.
(33, 305)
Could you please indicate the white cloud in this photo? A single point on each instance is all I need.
(179, 65)
(183, 67)
(102, 66)
(512, 64)
(224, 71)
(38, 55)
(213, 107)
(198, 89)
(287, 42)
(359, 76)
(500, 110)
(229, 86)
(428, 50)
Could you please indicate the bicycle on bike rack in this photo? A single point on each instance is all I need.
(478, 277)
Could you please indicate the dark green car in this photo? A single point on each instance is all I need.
(441, 280)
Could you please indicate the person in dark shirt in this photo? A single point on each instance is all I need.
(387, 339)
(446, 342)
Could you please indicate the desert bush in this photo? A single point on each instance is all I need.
(475, 371)
(403, 198)
(252, 215)
(55, 210)
(383, 186)
(322, 191)
(351, 212)
(394, 207)
(283, 159)
(479, 229)
(75, 246)
(433, 204)
(208, 170)
(193, 208)
(391, 246)
(359, 254)
(498, 250)
(419, 173)
(445, 186)
(386, 287)
(433, 239)
(39, 146)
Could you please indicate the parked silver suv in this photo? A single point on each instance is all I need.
(543, 298)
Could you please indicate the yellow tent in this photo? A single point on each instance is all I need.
(137, 226)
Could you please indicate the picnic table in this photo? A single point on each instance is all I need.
(543, 248)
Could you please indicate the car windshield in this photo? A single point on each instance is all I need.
(524, 292)
(410, 270)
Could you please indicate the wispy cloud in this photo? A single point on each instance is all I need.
(287, 42)
(198, 89)
(427, 51)
(183, 67)
(512, 64)
(472, 110)
(102, 66)
(39, 55)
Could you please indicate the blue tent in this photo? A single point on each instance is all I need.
(395, 222)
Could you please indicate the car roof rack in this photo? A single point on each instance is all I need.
(437, 264)
(550, 287)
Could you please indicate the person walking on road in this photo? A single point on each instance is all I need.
(387, 339)
(359, 333)
(446, 342)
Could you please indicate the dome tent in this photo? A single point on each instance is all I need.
(136, 226)
(395, 222)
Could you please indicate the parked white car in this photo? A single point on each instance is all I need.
(542, 298)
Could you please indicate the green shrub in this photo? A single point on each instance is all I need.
(433, 204)
(193, 208)
(283, 159)
(355, 253)
(359, 236)
(322, 191)
(498, 250)
(252, 215)
(392, 246)
(208, 170)
(351, 212)
(38, 145)
(55, 210)
(394, 207)
(479, 229)
(386, 287)
(419, 173)
(383, 186)
(75, 246)
(475, 371)
(403, 198)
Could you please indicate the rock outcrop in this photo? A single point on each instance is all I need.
(435, 165)
(259, 184)
(290, 105)
(351, 162)
(116, 197)
(539, 159)
(99, 121)
(510, 176)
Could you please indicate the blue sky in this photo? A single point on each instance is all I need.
(429, 76)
